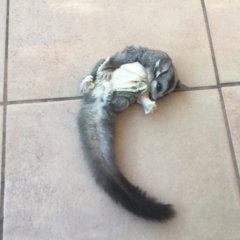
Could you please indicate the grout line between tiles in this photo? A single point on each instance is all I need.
(198, 88)
(234, 160)
(80, 97)
(210, 42)
(231, 84)
(5, 86)
(44, 100)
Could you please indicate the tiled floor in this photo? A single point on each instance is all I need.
(187, 153)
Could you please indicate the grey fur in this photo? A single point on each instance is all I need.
(152, 60)
(96, 126)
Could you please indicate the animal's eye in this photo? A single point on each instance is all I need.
(159, 87)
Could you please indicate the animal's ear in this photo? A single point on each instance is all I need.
(163, 65)
(180, 87)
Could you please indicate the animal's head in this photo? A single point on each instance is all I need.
(164, 80)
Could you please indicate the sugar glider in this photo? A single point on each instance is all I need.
(133, 75)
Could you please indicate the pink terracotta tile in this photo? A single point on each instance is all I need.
(232, 101)
(224, 20)
(179, 154)
(2, 44)
(53, 44)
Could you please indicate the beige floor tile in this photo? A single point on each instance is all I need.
(180, 154)
(224, 20)
(53, 44)
(2, 44)
(45, 178)
(232, 100)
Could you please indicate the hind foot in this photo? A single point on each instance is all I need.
(87, 84)
(148, 105)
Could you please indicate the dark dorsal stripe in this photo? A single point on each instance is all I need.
(171, 83)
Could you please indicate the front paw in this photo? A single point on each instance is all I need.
(87, 84)
(150, 107)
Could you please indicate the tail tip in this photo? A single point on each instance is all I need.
(164, 214)
(168, 213)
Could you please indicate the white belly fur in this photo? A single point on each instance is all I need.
(128, 76)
